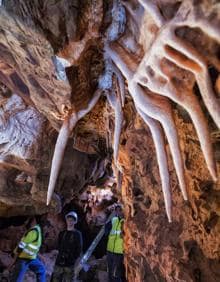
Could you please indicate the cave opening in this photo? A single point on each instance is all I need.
(93, 207)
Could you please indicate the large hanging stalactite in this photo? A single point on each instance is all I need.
(157, 78)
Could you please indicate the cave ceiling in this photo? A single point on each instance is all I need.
(81, 70)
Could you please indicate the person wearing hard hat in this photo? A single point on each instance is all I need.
(69, 249)
(115, 249)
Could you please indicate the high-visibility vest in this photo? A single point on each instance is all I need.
(29, 244)
(115, 241)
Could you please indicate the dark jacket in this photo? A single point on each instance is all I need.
(69, 247)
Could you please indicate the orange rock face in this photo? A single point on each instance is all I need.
(186, 249)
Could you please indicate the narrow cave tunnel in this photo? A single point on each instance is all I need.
(110, 108)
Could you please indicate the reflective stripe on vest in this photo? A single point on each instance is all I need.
(30, 253)
(115, 241)
(113, 232)
(21, 245)
(30, 250)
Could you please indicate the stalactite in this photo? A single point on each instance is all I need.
(159, 142)
(168, 45)
(67, 127)
(156, 108)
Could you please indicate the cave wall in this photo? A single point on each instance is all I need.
(188, 248)
(27, 143)
(171, 49)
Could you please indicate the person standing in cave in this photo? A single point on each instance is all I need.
(25, 255)
(69, 249)
(114, 230)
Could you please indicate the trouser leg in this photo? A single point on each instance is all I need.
(21, 267)
(57, 274)
(68, 274)
(118, 267)
(110, 264)
(39, 269)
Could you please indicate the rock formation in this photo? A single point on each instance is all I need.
(124, 90)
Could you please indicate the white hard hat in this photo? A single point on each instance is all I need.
(73, 214)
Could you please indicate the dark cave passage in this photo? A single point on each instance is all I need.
(93, 207)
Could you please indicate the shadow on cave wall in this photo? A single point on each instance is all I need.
(198, 266)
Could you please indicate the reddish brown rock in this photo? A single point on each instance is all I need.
(32, 34)
(186, 249)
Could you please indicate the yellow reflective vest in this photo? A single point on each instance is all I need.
(115, 241)
(30, 243)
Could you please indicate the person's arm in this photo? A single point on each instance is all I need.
(81, 244)
(78, 244)
(59, 241)
(122, 229)
(108, 227)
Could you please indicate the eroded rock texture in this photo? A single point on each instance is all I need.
(139, 103)
(27, 143)
(186, 249)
